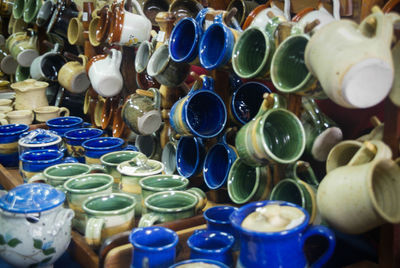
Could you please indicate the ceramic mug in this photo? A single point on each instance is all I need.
(23, 48)
(161, 183)
(108, 214)
(301, 170)
(20, 117)
(247, 183)
(149, 145)
(132, 171)
(321, 132)
(22, 73)
(31, 9)
(168, 206)
(280, 248)
(104, 73)
(273, 135)
(74, 139)
(72, 76)
(45, 113)
(153, 246)
(8, 64)
(152, 7)
(348, 77)
(168, 156)
(80, 188)
(185, 9)
(214, 245)
(201, 112)
(216, 44)
(44, 13)
(190, 153)
(38, 139)
(166, 71)
(93, 25)
(46, 66)
(64, 124)
(75, 31)
(143, 54)
(34, 162)
(96, 147)
(141, 113)
(258, 16)
(9, 135)
(368, 200)
(57, 175)
(110, 161)
(243, 7)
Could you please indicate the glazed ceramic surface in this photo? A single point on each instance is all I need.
(47, 66)
(20, 117)
(64, 124)
(39, 139)
(72, 76)
(190, 155)
(74, 139)
(36, 228)
(36, 161)
(199, 262)
(161, 183)
(9, 135)
(96, 147)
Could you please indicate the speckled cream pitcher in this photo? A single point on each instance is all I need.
(30, 94)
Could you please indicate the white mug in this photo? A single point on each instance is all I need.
(45, 113)
(104, 73)
(20, 117)
(6, 102)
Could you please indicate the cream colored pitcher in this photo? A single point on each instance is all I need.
(30, 94)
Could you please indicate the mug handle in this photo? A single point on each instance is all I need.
(63, 110)
(84, 60)
(148, 220)
(201, 196)
(93, 231)
(329, 235)
(271, 101)
(383, 28)
(38, 178)
(4, 121)
(156, 98)
(97, 168)
(116, 58)
(138, 8)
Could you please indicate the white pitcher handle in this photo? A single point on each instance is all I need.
(336, 9)
(138, 8)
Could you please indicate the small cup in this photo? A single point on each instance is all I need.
(9, 135)
(214, 245)
(168, 156)
(190, 155)
(47, 66)
(72, 76)
(74, 139)
(64, 124)
(96, 147)
(160, 183)
(149, 145)
(108, 214)
(75, 31)
(153, 246)
(80, 188)
(20, 117)
(46, 113)
(34, 162)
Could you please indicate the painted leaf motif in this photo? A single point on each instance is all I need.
(37, 243)
(46, 260)
(2, 241)
(14, 242)
(49, 251)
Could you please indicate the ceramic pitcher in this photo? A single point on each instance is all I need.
(30, 94)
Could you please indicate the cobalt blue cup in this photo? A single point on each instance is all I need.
(9, 135)
(185, 38)
(74, 139)
(189, 156)
(246, 101)
(216, 44)
(64, 124)
(34, 162)
(218, 163)
(199, 261)
(278, 249)
(201, 113)
(95, 148)
(153, 247)
(217, 219)
(214, 245)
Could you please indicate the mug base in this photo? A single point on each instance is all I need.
(325, 142)
(149, 122)
(26, 57)
(9, 65)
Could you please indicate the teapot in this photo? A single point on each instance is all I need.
(30, 94)
(35, 227)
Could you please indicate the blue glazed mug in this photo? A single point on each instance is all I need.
(74, 139)
(218, 163)
(97, 147)
(216, 44)
(64, 124)
(9, 135)
(278, 249)
(217, 219)
(190, 154)
(154, 247)
(200, 113)
(185, 38)
(34, 162)
(214, 245)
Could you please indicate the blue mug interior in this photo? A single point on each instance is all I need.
(153, 238)
(216, 166)
(205, 240)
(184, 40)
(12, 129)
(102, 143)
(219, 214)
(205, 114)
(247, 99)
(41, 156)
(83, 133)
(189, 156)
(66, 121)
(212, 47)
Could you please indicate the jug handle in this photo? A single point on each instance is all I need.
(383, 29)
(138, 8)
(156, 98)
(93, 231)
(329, 235)
(84, 60)
(116, 57)
(336, 9)
(148, 220)
(202, 82)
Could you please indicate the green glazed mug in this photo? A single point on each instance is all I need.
(21, 73)
(111, 160)
(107, 215)
(81, 188)
(169, 206)
(274, 135)
(247, 183)
(302, 170)
(57, 175)
(23, 48)
(161, 183)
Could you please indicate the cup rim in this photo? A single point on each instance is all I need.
(103, 161)
(193, 51)
(170, 193)
(118, 142)
(77, 121)
(109, 212)
(147, 248)
(236, 217)
(219, 264)
(59, 156)
(19, 128)
(64, 178)
(207, 217)
(292, 182)
(211, 233)
(185, 183)
(199, 154)
(151, 71)
(92, 190)
(96, 133)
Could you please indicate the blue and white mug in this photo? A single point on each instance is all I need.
(9, 135)
(74, 139)
(64, 124)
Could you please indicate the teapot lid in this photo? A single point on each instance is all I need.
(31, 198)
(140, 166)
(38, 137)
